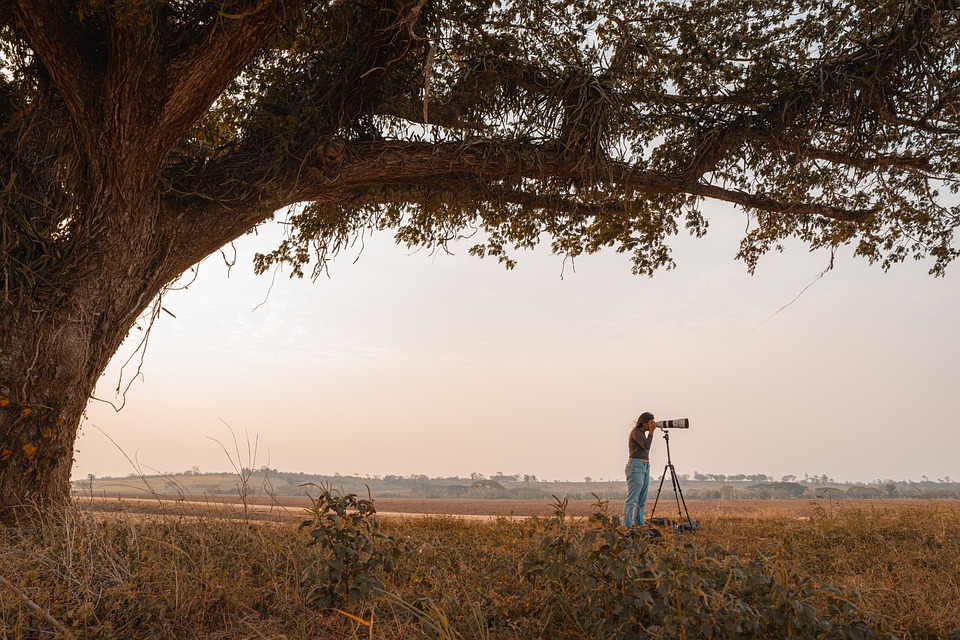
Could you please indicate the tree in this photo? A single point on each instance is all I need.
(136, 138)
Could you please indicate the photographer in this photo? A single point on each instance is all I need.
(638, 469)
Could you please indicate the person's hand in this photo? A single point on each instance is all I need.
(651, 426)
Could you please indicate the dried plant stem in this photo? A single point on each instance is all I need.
(35, 607)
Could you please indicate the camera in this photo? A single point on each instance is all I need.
(679, 423)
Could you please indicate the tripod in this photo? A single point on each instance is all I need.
(689, 525)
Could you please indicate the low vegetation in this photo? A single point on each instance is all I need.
(839, 571)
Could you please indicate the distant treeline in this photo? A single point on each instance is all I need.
(267, 481)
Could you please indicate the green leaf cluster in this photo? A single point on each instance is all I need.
(350, 553)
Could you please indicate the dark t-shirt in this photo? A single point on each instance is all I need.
(639, 443)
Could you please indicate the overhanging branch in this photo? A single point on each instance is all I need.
(364, 170)
(374, 165)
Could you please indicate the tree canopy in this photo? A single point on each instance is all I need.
(596, 124)
(139, 136)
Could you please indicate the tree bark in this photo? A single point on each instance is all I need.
(48, 368)
(54, 347)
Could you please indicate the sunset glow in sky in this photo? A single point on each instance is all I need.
(445, 365)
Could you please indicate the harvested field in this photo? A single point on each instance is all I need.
(292, 507)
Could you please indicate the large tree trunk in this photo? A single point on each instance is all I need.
(56, 340)
(53, 348)
(49, 365)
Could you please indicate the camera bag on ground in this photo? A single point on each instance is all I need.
(662, 522)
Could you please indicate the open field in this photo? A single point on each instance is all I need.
(152, 568)
(293, 506)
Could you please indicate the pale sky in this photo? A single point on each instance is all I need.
(444, 365)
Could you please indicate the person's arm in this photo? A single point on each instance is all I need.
(641, 437)
(649, 437)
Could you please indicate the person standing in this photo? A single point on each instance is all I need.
(638, 469)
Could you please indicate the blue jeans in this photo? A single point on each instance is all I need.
(638, 480)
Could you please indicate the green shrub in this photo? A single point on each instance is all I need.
(350, 550)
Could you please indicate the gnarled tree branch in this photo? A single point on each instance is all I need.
(51, 33)
(365, 169)
(213, 57)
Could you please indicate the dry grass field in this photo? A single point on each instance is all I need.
(151, 568)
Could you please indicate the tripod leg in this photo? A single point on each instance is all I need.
(679, 493)
(659, 489)
(676, 490)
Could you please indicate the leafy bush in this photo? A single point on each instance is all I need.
(351, 551)
(604, 581)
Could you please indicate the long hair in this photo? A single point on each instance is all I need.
(644, 418)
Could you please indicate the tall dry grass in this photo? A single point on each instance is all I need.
(209, 574)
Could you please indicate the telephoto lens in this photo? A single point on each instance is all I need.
(679, 423)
